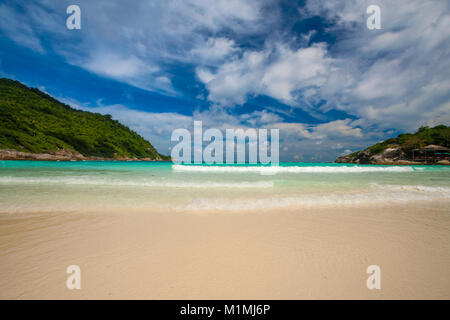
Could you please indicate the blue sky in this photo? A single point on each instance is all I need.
(310, 68)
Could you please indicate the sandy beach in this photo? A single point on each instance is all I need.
(271, 254)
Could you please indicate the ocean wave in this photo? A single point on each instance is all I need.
(412, 188)
(374, 195)
(161, 184)
(292, 169)
(311, 201)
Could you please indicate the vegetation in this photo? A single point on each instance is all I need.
(439, 135)
(32, 121)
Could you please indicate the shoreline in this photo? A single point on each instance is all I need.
(400, 163)
(43, 157)
(65, 155)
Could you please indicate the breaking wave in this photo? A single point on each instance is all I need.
(390, 196)
(125, 183)
(291, 169)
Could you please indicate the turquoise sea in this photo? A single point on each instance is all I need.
(37, 186)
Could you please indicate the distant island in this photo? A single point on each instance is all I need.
(426, 146)
(35, 126)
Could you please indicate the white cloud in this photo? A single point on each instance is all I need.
(238, 15)
(113, 66)
(234, 80)
(215, 49)
(396, 77)
(124, 41)
(295, 70)
(128, 69)
(337, 128)
(15, 26)
(279, 72)
(390, 78)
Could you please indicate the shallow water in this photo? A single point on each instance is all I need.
(28, 186)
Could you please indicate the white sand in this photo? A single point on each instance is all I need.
(289, 254)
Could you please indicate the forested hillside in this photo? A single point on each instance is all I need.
(34, 122)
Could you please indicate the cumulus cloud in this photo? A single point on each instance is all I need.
(396, 77)
(279, 72)
(213, 50)
(373, 75)
(119, 40)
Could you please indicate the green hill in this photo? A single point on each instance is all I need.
(401, 147)
(34, 122)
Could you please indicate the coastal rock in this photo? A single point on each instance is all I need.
(392, 155)
(361, 157)
(60, 155)
(387, 156)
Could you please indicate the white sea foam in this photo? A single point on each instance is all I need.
(125, 183)
(292, 169)
(311, 201)
(412, 188)
(375, 194)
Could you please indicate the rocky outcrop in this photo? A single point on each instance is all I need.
(60, 155)
(392, 155)
(427, 145)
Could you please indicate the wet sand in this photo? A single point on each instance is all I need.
(278, 254)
